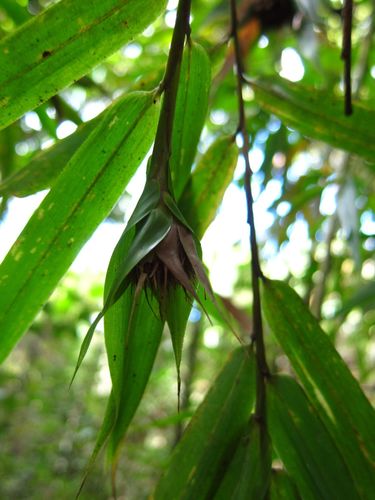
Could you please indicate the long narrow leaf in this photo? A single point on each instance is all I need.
(249, 472)
(62, 44)
(133, 330)
(177, 314)
(330, 386)
(83, 195)
(282, 486)
(199, 201)
(198, 460)
(304, 445)
(191, 109)
(43, 169)
(146, 239)
(318, 115)
(142, 342)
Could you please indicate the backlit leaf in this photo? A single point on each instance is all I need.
(191, 109)
(60, 45)
(197, 462)
(318, 114)
(117, 318)
(249, 472)
(133, 331)
(282, 486)
(304, 445)
(177, 314)
(329, 385)
(82, 196)
(153, 231)
(202, 195)
(43, 169)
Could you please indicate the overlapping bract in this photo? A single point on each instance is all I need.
(162, 256)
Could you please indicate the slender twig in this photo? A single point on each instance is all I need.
(319, 291)
(364, 51)
(159, 167)
(359, 75)
(256, 273)
(346, 53)
(191, 365)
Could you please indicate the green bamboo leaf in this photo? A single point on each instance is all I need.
(318, 114)
(115, 324)
(197, 462)
(148, 200)
(205, 190)
(153, 231)
(363, 298)
(132, 335)
(104, 432)
(60, 45)
(116, 321)
(86, 344)
(18, 13)
(190, 114)
(329, 385)
(249, 472)
(132, 330)
(304, 445)
(282, 487)
(173, 207)
(140, 339)
(114, 335)
(43, 169)
(82, 196)
(177, 315)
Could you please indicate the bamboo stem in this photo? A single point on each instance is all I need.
(346, 54)
(256, 273)
(159, 166)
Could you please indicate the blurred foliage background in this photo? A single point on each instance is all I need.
(314, 214)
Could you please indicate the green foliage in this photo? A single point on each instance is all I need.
(302, 441)
(206, 187)
(199, 459)
(327, 381)
(249, 472)
(47, 165)
(190, 114)
(317, 115)
(251, 432)
(48, 53)
(71, 211)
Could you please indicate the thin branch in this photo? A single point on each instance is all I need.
(359, 75)
(163, 142)
(190, 372)
(319, 291)
(256, 273)
(364, 52)
(346, 53)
